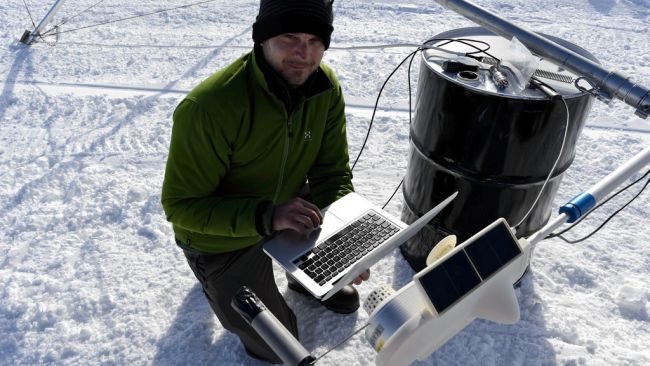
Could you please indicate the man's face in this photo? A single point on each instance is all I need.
(295, 56)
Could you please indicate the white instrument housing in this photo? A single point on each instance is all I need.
(416, 320)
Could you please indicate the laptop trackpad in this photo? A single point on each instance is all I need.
(331, 224)
(288, 244)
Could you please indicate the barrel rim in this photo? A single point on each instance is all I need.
(480, 31)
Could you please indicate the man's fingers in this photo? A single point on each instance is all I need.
(314, 209)
(365, 275)
(362, 277)
(313, 217)
(297, 215)
(298, 222)
(305, 221)
(306, 206)
(310, 211)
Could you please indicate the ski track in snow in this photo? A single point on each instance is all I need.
(89, 273)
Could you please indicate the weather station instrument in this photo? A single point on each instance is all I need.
(475, 279)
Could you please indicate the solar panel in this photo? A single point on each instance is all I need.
(492, 250)
(447, 282)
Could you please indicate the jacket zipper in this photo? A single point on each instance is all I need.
(285, 155)
(290, 125)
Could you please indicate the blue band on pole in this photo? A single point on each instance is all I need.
(578, 206)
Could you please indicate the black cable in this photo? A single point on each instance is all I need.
(410, 122)
(374, 111)
(393, 195)
(341, 342)
(56, 27)
(31, 18)
(30, 13)
(559, 235)
(410, 92)
(56, 40)
(448, 40)
(555, 164)
(412, 55)
(47, 34)
(76, 15)
(464, 41)
(600, 204)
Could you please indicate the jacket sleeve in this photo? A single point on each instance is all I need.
(330, 178)
(199, 157)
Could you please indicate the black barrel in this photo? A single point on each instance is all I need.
(496, 147)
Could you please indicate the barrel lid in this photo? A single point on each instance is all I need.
(482, 80)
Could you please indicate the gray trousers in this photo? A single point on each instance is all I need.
(221, 275)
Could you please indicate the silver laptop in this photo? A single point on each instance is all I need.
(355, 234)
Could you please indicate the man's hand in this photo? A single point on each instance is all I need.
(297, 215)
(362, 277)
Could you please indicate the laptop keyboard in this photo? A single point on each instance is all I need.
(344, 248)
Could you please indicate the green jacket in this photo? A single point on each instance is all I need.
(235, 148)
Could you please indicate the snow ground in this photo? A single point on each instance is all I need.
(89, 273)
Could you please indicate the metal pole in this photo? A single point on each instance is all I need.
(608, 84)
(601, 189)
(28, 37)
(584, 202)
(547, 229)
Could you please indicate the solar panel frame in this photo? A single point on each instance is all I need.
(447, 282)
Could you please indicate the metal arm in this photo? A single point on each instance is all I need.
(584, 202)
(608, 84)
(28, 37)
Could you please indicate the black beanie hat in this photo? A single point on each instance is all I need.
(294, 16)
